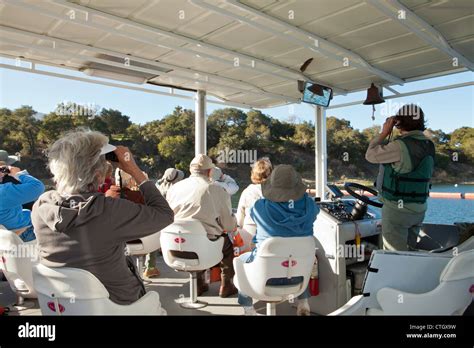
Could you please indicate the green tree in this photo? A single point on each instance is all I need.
(463, 139)
(113, 120)
(281, 131)
(53, 126)
(176, 149)
(6, 142)
(24, 128)
(258, 128)
(304, 135)
(221, 121)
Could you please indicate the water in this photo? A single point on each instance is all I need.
(449, 211)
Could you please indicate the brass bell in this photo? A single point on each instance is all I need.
(373, 96)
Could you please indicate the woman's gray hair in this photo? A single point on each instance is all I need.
(75, 161)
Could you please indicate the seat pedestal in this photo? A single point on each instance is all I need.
(21, 304)
(192, 302)
(271, 308)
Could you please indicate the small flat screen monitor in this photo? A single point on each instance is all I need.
(317, 94)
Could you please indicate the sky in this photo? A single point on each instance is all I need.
(446, 110)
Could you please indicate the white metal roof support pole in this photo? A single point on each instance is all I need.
(200, 123)
(320, 155)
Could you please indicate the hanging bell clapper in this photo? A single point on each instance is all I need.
(374, 96)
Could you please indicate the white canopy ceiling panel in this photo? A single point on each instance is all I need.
(150, 52)
(212, 67)
(427, 68)
(465, 46)
(80, 33)
(369, 34)
(124, 44)
(401, 61)
(171, 15)
(300, 12)
(118, 7)
(250, 75)
(273, 46)
(395, 45)
(204, 25)
(187, 61)
(237, 37)
(251, 50)
(457, 28)
(437, 12)
(24, 19)
(352, 18)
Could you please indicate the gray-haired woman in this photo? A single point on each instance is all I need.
(77, 226)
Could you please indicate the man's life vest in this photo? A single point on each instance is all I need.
(412, 187)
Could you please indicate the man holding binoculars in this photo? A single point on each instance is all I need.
(403, 183)
(17, 188)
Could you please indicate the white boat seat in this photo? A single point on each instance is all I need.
(144, 245)
(450, 293)
(459, 268)
(186, 247)
(16, 261)
(276, 258)
(73, 291)
(464, 246)
(141, 247)
(191, 237)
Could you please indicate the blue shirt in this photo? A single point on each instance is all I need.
(283, 219)
(12, 197)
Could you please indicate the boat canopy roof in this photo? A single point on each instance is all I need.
(245, 52)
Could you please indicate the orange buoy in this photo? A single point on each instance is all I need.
(469, 195)
(453, 195)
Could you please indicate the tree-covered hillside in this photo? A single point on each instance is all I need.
(169, 141)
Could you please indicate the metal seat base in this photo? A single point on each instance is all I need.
(189, 304)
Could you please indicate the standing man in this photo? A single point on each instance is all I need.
(404, 178)
(198, 198)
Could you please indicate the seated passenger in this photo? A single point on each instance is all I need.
(78, 227)
(126, 187)
(170, 177)
(17, 187)
(261, 170)
(196, 197)
(223, 180)
(287, 211)
(109, 180)
(129, 190)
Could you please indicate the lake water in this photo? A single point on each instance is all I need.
(448, 211)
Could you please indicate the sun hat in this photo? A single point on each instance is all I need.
(9, 160)
(107, 148)
(173, 175)
(283, 185)
(201, 162)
